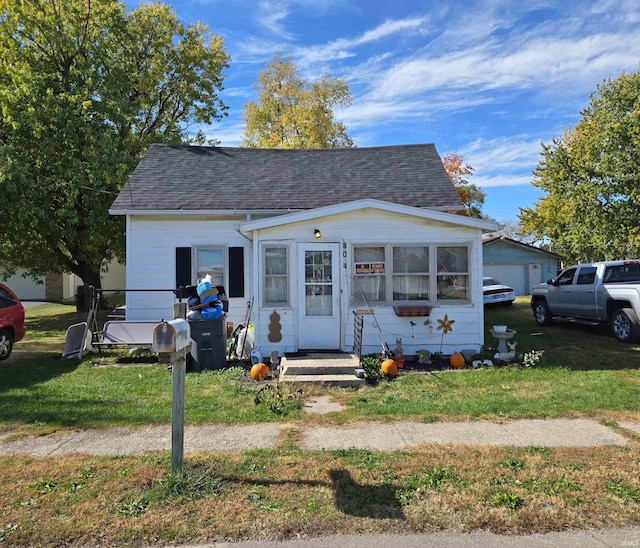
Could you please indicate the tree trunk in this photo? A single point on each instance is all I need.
(89, 277)
(92, 278)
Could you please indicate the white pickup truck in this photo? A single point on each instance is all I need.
(603, 292)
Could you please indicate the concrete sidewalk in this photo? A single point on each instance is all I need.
(602, 538)
(373, 436)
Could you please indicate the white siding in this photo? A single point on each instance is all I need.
(151, 244)
(368, 227)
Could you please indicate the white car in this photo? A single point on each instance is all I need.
(493, 292)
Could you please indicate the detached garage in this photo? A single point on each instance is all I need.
(26, 288)
(517, 264)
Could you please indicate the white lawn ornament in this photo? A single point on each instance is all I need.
(507, 356)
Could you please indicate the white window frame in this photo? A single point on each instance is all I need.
(356, 299)
(417, 274)
(372, 271)
(286, 276)
(196, 267)
(455, 273)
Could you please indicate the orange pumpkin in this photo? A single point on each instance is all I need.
(456, 360)
(389, 367)
(259, 371)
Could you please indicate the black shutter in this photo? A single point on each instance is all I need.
(183, 267)
(236, 272)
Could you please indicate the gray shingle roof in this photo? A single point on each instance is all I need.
(221, 178)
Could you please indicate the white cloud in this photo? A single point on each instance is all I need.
(345, 47)
(381, 112)
(272, 15)
(537, 64)
(228, 133)
(502, 180)
(505, 161)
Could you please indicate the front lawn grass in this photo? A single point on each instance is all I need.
(583, 371)
(285, 494)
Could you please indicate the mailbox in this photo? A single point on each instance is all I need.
(171, 337)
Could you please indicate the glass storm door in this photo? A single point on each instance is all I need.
(319, 296)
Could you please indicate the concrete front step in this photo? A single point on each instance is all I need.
(333, 369)
(326, 369)
(344, 381)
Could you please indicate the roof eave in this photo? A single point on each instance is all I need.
(521, 244)
(208, 212)
(437, 215)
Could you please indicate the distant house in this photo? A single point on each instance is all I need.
(308, 237)
(517, 264)
(61, 287)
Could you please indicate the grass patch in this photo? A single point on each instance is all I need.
(136, 501)
(512, 463)
(507, 500)
(624, 490)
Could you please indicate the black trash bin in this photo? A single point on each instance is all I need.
(82, 298)
(210, 340)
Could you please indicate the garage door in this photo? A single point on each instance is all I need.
(25, 288)
(508, 274)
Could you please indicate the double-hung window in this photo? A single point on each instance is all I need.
(410, 274)
(210, 260)
(223, 264)
(370, 280)
(453, 273)
(276, 275)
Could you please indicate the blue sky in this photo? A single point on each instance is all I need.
(489, 79)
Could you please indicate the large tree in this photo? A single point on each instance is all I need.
(471, 195)
(591, 179)
(293, 113)
(85, 87)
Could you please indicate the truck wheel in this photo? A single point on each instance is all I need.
(624, 325)
(541, 313)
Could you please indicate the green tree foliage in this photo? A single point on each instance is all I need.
(591, 179)
(293, 113)
(471, 195)
(85, 87)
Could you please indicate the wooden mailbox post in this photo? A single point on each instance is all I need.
(172, 340)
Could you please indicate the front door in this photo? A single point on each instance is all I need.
(319, 296)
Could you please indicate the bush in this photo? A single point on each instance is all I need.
(372, 368)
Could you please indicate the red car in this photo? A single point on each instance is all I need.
(11, 321)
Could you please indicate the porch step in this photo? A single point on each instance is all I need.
(332, 369)
(321, 369)
(343, 381)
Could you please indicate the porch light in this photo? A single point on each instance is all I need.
(317, 234)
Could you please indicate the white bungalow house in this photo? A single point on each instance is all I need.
(307, 238)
